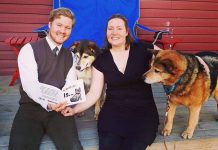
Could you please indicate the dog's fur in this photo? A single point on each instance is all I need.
(85, 53)
(188, 80)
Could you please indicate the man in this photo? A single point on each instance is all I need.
(45, 61)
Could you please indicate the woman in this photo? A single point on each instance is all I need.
(129, 118)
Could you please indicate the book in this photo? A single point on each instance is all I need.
(73, 94)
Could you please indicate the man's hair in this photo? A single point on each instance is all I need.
(57, 13)
(129, 38)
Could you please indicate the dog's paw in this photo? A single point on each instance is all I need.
(187, 135)
(166, 132)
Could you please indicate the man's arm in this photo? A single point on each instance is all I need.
(71, 76)
(29, 74)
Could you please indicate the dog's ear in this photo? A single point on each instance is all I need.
(75, 44)
(94, 48)
(168, 65)
(153, 51)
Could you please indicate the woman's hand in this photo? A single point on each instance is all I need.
(68, 111)
(57, 107)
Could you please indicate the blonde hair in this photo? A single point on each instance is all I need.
(56, 13)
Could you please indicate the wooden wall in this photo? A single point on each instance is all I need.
(19, 18)
(194, 23)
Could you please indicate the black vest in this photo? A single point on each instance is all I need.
(52, 69)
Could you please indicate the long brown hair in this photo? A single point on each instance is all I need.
(129, 38)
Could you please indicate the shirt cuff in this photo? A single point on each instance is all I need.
(45, 106)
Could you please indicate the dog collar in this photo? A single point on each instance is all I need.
(169, 89)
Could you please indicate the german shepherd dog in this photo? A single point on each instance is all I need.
(85, 53)
(188, 79)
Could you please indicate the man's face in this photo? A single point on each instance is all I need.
(60, 29)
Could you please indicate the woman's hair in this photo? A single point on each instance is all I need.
(129, 38)
(57, 13)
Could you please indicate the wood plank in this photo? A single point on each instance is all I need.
(8, 64)
(189, 30)
(160, 4)
(200, 144)
(195, 30)
(4, 46)
(213, 1)
(24, 18)
(205, 137)
(157, 13)
(197, 5)
(18, 27)
(5, 35)
(196, 46)
(45, 2)
(179, 22)
(10, 55)
(198, 38)
(187, 38)
(24, 8)
(7, 71)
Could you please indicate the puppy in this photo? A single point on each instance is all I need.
(188, 79)
(85, 53)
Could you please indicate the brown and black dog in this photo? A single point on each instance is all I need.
(85, 53)
(189, 80)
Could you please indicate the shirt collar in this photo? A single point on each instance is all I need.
(52, 44)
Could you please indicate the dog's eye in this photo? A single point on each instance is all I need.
(156, 71)
(85, 56)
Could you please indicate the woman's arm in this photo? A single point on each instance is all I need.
(92, 96)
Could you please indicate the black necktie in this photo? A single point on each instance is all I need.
(54, 51)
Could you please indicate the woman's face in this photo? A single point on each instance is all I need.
(116, 32)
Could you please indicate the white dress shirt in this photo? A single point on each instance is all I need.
(28, 70)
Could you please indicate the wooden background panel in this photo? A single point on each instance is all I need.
(160, 4)
(184, 38)
(19, 18)
(24, 18)
(18, 27)
(194, 30)
(9, 63)
(196, 47)
(5, 35)
(7, 55)
(211, 1)
(197, 38)
(162, 13)
(193, 23)
(24, 9)
(197, 5)
(185, 30)
(7, 71)
(5, 47)
(44, 2)
(179, 22)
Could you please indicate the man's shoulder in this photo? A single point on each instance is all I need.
(39, 41)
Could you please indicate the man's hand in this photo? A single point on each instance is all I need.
(57, 107)
(68, 111)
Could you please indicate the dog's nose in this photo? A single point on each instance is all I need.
(78, 67)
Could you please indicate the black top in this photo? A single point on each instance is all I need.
(129, 107)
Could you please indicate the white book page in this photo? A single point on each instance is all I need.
(73, 94)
